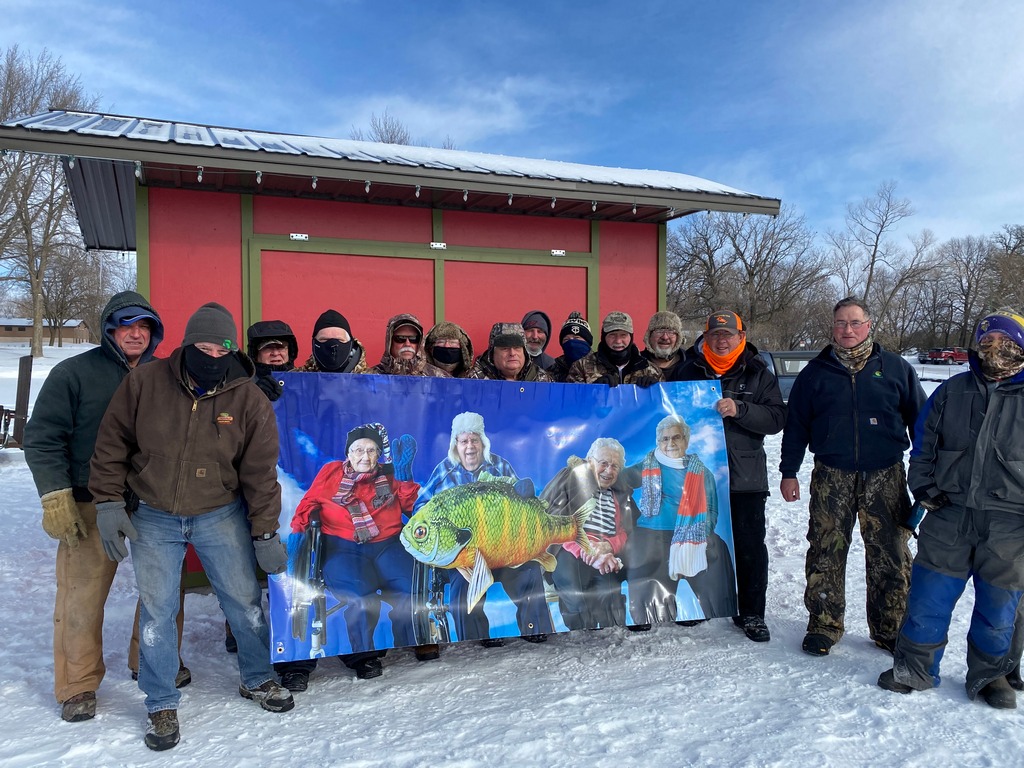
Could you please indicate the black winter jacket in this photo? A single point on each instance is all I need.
(851, 422)
(760, 412)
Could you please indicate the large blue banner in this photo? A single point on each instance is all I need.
(422, 510)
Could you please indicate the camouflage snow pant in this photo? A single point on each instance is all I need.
(878, 500)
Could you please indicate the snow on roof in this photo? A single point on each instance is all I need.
(27, 321)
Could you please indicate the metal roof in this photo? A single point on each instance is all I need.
(111, 152)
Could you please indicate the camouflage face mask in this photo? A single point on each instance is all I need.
(1000, 357)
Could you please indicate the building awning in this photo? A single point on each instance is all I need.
(105, 156)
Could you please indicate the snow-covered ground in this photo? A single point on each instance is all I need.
(672, 697)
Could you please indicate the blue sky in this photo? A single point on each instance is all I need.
(813, 102)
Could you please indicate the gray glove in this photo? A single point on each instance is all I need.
(271, 554)
(114, 524)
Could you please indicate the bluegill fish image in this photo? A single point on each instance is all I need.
(484, 525)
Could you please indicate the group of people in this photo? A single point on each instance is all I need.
(183, 450)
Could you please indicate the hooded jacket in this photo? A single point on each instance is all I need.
(271, 329)
(188, 454)
(851, 422)
(61, 435)
(418, 366)
(544, 361)
(446, 330)
(484, 368)
(760, 412)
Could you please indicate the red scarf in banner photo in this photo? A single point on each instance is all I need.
(362, 517)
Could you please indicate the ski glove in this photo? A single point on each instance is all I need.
(646, 381)
(405, 452)
(61, 519)
(609, 380)
(914, 518)
(114, 525)
(271, 554)
(271, 387)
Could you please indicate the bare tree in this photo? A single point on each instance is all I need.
(1006, 264)
(35, 205)
(386, 129)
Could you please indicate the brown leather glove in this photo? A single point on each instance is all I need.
(61, 519)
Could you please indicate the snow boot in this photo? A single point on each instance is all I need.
(538, 638)
(427, 652)
(999, 694)
(816, 644)
(754, 628)
(295, 680)
(367, 669)
(493, 642)
(81, 706)
(271, 696)
(888, 681)
(162, 732)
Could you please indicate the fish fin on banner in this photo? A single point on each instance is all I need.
(547, 561)
(480, 581)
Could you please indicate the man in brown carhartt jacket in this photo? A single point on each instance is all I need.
(196, 440)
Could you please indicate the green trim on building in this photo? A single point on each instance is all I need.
(594, 276)
(252, 282)
(662, 267)
(439, 289)
(437, 225)
(142, 265)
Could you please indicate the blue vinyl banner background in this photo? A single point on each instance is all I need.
(536, 428)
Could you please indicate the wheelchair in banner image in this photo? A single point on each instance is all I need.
(309, 607)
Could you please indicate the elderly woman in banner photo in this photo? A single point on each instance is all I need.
(360, 504)
(675, 536)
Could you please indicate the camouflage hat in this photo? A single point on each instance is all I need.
(617, 321)
(507, 335)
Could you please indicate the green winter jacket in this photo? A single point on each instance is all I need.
(60, 436)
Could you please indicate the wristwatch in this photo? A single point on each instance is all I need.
(264, 537)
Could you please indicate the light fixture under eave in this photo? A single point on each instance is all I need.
(367, 187)
(510, 198)
(71, 161)
(553, 201)
(417, 190)
(465, 195)
(593, 206)
(634, 209)
(138, 170)
(314, 182)
(259, 177)
(199, 174)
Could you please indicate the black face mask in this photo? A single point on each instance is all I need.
(331, 355)
(619, 358)
(447, 355)
(206, 370)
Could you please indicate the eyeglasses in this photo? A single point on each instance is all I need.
(854, 324)
(406, 339)
(364, 451)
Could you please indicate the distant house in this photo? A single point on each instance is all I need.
(15, 329)
(285, 226)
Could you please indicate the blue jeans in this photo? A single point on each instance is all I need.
(223, 541)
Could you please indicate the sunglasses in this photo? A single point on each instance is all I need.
(406, 339)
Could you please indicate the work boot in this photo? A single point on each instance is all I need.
(295, 680)
(81, 706)
(367, 669)
(999, 694)
(638, 627)
(427, 652)
(538, 638)
(162, 732)
(271, 696)
(755, 629)
(816, 644)
(691, 622)
(492, 642)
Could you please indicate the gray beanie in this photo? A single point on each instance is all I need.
(211, 323)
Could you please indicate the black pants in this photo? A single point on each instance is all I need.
(748, 534)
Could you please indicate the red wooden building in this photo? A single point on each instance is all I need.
(277, 226)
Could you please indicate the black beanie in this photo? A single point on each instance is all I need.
(211, 323)
(331, 319)
(362, 432)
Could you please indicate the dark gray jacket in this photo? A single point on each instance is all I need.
(969, 444)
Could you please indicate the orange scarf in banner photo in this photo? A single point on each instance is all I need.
(722, 363)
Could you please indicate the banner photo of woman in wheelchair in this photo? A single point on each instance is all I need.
(427, 510)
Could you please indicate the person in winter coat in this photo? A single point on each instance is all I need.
(505, 358)
(335, 350)
(537, 330)
(617, 359)
(751, 408)
(196, 441)
(272, 349)
(854, 405)
(965, 472)
(404, 345)
(589, 584)
(663, 344)
(59, 442)
(449, 348)
(576, 340)
(674, 536)
(361, 504)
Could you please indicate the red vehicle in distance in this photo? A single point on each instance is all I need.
(946, 356)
